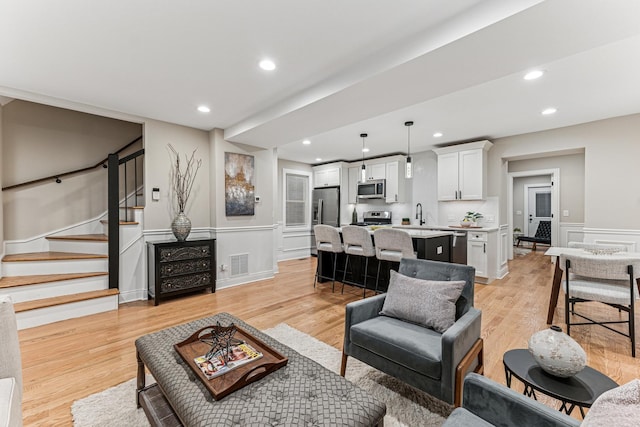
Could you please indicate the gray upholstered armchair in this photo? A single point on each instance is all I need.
(428, 360)
(487, 403)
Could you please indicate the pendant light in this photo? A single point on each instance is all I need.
(408, 171)
(363, 170)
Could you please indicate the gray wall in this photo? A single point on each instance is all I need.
(571, 183)
(38, 141)
(611, 152)
(158, 165)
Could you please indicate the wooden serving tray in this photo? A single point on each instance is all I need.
(239, 377)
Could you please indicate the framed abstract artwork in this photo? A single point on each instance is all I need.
(239, 198)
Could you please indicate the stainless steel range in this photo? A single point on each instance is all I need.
(376, 218)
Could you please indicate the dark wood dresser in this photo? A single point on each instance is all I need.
(176, 268)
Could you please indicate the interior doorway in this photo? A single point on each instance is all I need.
(518, 218)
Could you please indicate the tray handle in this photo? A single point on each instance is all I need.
(252, 375)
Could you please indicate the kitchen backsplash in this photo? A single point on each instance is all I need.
(451, 213)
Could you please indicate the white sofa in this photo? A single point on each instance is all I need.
(10, 367)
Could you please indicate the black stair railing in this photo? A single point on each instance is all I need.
(119, 189)
(58, 177)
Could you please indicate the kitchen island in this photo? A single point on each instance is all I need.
(428, 244)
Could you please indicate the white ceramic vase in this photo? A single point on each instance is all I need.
(557, 353)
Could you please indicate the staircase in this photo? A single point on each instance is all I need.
(69, 280)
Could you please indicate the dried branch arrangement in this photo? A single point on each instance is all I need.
(182, 181)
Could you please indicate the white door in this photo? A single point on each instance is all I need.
(539, 207)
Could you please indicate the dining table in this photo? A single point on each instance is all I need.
(556, 252)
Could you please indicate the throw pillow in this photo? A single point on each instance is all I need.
(428, 303)
(618, 407)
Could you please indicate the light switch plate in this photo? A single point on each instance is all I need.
(490, 218)
(565, 212)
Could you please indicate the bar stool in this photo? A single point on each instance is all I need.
(392, 245)
(327, 240)
(357, 242)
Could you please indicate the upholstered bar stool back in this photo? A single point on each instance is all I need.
(357, 242)
(392, 245)
(327, 240)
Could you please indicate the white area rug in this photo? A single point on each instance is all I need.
(406, 406)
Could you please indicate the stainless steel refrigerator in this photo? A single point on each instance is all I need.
(325, 209)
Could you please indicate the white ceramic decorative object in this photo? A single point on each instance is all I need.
(557, 353)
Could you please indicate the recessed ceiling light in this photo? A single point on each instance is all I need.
(548, 111)
(437, 134)
(365, 150)
(306, 142)
(532, 75)
(318, 159)
(267, 65)
(204, 109)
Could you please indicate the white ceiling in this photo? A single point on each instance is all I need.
(344, 67)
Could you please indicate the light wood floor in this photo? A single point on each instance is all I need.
(68, 360)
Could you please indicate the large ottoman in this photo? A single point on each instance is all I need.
(303, 393)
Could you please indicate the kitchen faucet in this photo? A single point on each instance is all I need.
(419, 214)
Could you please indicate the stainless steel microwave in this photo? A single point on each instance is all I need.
(372, 189)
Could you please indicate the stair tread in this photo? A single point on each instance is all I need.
(104, 221)
(63, 299)
(15, 281)
(132, 207)
(84, 237)
(49, 256)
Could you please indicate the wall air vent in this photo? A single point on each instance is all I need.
(239, 264)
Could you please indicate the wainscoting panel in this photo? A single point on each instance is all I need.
(628, 238)
(571, 232)
(256, 243)
(295, 245)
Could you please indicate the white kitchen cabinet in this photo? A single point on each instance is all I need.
(462, 171)
(376, 171)
(482, 254)
(328, 177)
(395, 184)
(477, 256)
(354, 177)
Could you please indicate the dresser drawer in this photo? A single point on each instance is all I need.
(180, 283)
(182, 253)
(184, 267)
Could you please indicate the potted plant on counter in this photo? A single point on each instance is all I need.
(471, 219)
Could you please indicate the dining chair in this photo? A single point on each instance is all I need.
(609, 279)
(598, 248)
(357, 242)
(328, 241)
(391, 246)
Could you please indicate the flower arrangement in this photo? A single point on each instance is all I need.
(182, 180)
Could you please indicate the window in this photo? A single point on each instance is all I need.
(297, 198)
(543, 204)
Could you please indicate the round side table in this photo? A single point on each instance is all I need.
(580, 390)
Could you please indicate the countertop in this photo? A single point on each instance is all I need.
(421, 233)
(444, 227)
